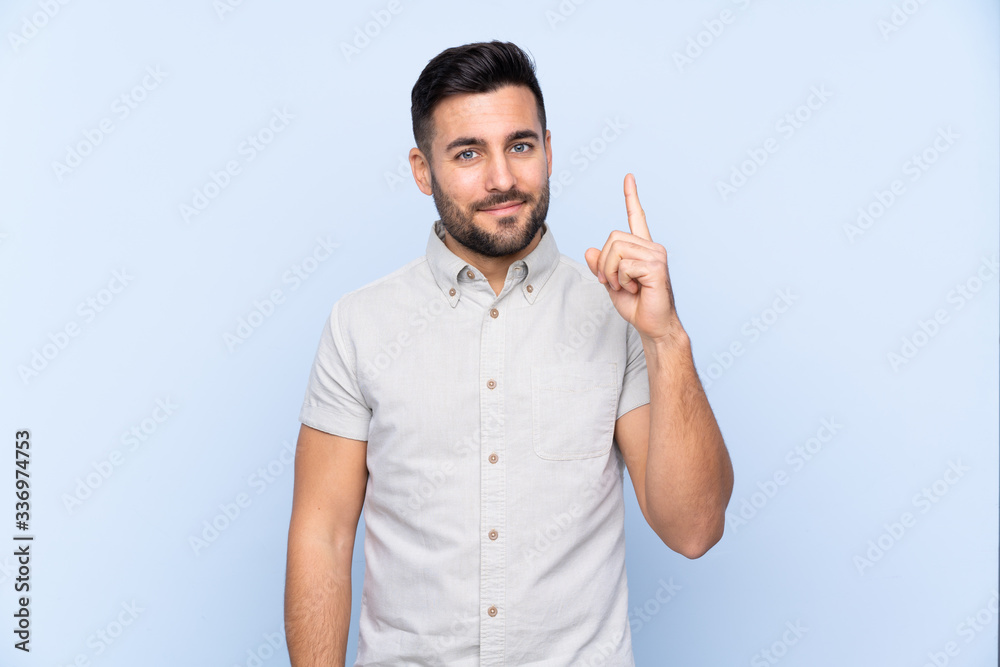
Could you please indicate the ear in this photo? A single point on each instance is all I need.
(548, 149)
(421, 168)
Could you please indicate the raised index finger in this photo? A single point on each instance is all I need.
(636, 216)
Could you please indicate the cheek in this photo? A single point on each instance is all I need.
(534, 174)
(464, 190)
(533, 182)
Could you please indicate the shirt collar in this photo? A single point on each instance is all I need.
(448, 267)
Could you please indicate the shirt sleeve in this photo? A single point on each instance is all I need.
(334, 402)
(635, 384)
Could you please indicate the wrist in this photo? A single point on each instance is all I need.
(673, 340)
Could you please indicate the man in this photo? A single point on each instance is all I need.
(481, 403)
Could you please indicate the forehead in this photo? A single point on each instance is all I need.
(487, 116)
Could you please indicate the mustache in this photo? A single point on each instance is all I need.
(499, 199)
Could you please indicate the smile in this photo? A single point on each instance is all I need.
(508, 209)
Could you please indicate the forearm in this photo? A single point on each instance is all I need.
(317, 601)
(689, 476)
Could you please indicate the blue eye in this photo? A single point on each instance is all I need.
(524, 146)
(463, 154)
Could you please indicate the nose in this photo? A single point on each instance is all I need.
(499, 177)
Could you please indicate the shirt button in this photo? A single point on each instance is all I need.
(451, 292)
(470, 274)
(494, 458)
(491, 384)
(495, 313)
(493, 534)
(529, 288)
(492, 611)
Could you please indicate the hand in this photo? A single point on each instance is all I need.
(634, 269)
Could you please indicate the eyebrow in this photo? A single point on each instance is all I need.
(475, 141)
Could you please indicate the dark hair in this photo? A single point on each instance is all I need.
(473, 68)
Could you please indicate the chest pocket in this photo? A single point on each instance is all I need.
(573, 408)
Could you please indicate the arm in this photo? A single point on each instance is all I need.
(673, 448)
(675, 454)
(329, 492)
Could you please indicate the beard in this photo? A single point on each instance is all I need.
(511, 237)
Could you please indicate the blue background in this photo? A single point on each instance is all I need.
(695, 90)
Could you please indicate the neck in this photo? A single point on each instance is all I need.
(493, 268)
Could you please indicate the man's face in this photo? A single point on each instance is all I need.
(490, 169)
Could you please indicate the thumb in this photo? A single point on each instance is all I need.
(591, 256)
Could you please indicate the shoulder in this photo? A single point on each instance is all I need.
(391, 291)
(577, 271)
(405, 274)
(575, 282)
(582, 292)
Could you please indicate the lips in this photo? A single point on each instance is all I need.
(506, 207)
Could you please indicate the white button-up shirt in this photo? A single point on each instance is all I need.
(494, 511)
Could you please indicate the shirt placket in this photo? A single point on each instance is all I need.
(493, 500)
